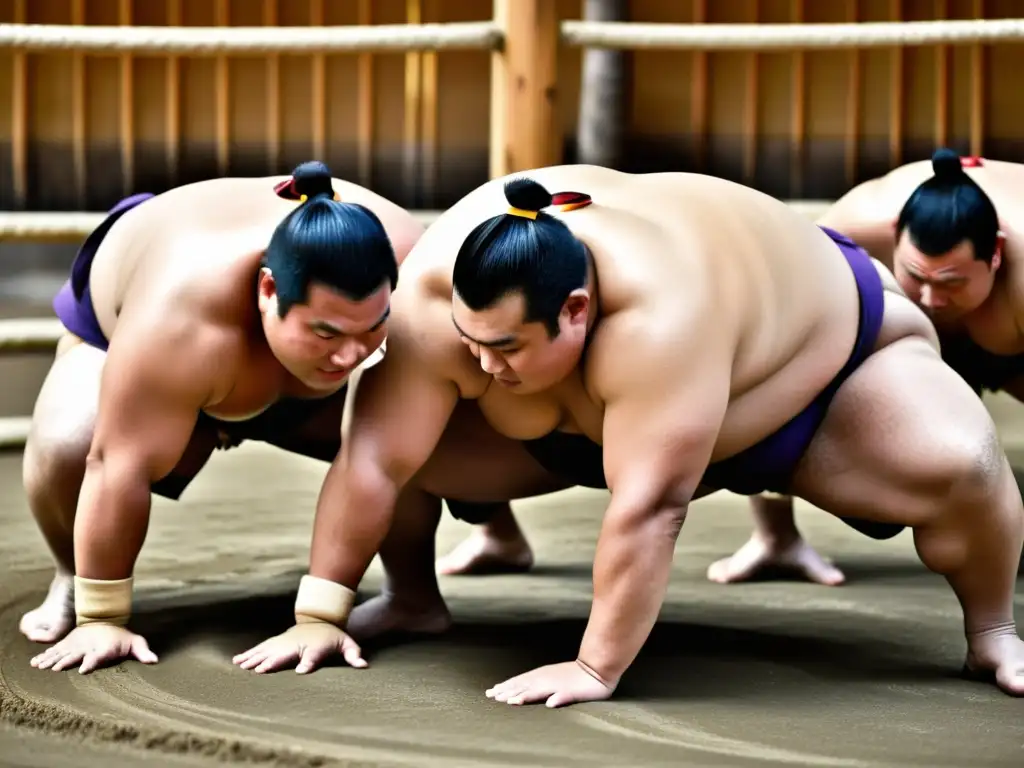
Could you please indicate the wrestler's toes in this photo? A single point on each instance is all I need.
(740, 566)
(816, 568)
(999, 658)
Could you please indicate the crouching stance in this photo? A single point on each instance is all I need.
(949, 232)
(223, 311)
(678, 334)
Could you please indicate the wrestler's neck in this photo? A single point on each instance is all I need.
(592, 288)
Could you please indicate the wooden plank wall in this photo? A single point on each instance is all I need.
(77, 132)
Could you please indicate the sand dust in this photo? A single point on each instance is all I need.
(768, 674)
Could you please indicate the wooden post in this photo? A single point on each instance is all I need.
(602, 117)
(524, 75)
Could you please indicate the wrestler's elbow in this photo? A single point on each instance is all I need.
(651, 499)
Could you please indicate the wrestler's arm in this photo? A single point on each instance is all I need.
(397, 413)
(158, 374)
(665, 394)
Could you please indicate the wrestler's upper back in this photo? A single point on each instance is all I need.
(199, 239)
(655, 236)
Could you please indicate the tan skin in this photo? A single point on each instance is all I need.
(193, 326)
(958, 292)
(682, 369)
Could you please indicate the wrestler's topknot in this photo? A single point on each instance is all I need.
(327, 240)
(313, 179)
(948, 209)
(947, 166)
(526, 194)
(524, 250)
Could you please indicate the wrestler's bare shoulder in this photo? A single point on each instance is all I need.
(421, 332)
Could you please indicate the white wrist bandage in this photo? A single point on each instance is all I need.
(323, 600)
(103, 602)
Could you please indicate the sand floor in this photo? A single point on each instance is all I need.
(767, 674)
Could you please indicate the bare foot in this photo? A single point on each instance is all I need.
(998, 656)
(481, 552)
(385, 614)
(758, 556)
(56, 616)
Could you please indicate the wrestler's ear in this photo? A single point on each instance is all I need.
(266, 289)
(997, 255)
(576, 306)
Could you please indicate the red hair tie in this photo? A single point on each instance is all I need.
(971, 162)
(570, 201)
(286, 190)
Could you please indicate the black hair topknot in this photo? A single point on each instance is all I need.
(313, 179)
(340, 244)
(947, 166)
(539, 258)
(526, 194)
(948, 209)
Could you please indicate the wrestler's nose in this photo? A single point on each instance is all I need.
(349, 354)
(490, 361)
(931, 298)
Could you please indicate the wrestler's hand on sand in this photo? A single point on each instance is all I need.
(92, 646)
(556, 684)
(309, 644)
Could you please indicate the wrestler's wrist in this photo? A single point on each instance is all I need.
(323, 601)
(607, 681)
(103, 601)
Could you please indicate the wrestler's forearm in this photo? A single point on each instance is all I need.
(111, 519)
(353, 516)
(632, 567)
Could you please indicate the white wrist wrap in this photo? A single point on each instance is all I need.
(323, 600)
(103, 602)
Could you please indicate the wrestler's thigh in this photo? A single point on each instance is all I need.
(898, 432)
(473, 463)
(64, 414)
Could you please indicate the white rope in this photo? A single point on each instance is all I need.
(29, 335)
(14, 431)
(774, 37)
(206, 41)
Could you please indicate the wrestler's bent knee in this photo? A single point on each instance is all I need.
(971, 475)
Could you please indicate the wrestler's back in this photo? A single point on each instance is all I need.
(777, 278)
(192, 255)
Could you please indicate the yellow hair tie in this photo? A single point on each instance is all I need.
(573, 206)
(303, 198)
(520, 212)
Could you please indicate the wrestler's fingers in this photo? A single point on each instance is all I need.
(141, 651)
(254, 661)
(310, 658)
(353, 653)
(258, 650)
(92, 660)
(46, 658)
(66, 661)
(277, 660)
(560, 699)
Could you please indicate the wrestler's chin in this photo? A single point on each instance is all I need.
(325, 381)
(508, 383)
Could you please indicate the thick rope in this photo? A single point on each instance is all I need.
(791, 37)
(29, 335)
(14, 432)
(208, 41)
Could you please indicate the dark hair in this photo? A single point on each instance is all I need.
(949, 208)
(510, 252)
(342, 245)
